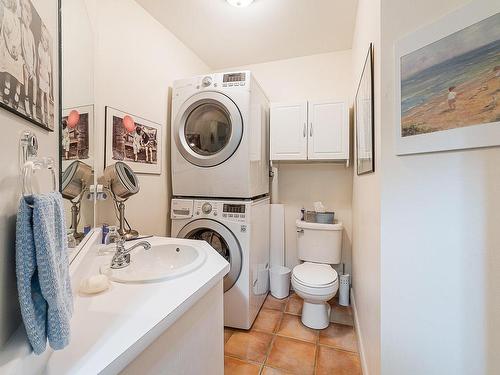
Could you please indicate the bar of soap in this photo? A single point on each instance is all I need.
(94, 284)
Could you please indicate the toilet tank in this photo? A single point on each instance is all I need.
(319, 243)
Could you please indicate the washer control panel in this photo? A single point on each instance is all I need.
(181, 209)
(235, 212)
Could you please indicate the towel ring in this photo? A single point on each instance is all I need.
(29, 169)
(29, 162)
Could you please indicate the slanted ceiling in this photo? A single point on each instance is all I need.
(225, 36)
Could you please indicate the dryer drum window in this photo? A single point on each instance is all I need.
(208, 129)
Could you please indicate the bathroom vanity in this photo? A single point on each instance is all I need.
(136, 327)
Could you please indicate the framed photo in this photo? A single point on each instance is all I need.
(133, 140)
(77, 135)
(448, 82)
(365, 120)
(27, 62)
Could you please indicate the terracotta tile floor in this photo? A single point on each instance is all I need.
(278, 343)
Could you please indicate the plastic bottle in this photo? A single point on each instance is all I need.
(105, 231)
(112, 235)
(71, 239)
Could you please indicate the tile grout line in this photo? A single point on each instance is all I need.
(273, 339)
(316, 352)
(339, 349)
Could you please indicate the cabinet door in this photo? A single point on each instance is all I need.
(289, 131)
(328, 137)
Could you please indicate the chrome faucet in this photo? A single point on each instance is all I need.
(121, 258)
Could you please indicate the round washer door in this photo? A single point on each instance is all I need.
(208, 129)
(222, 240)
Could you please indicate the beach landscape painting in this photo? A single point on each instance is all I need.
(453, 82)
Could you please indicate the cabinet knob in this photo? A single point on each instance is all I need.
(304, 131)
(311, 130)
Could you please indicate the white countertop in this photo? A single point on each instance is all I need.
(110, 329)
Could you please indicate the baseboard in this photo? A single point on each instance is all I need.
(357, 327)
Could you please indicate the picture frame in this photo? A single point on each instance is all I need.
(365, 118)
(133, 140)
(446, 79)
(77, 138)
(29, 64)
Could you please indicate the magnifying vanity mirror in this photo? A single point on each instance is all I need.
(77, 122)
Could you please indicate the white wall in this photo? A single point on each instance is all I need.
(12, 128)
(77, 55)
(440, 238)
(323, 76)
(137, 60)
(77, 80)
(366, 200)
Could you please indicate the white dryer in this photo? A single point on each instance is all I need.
(219, 144)
(239, 231)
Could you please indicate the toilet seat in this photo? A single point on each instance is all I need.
(315, 275)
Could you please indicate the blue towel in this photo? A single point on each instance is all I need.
(42, 270)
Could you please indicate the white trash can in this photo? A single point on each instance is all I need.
(280, 281)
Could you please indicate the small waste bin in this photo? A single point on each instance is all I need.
(280, 281)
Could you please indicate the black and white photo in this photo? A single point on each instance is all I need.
(133, 140)
(76, 135)
(26, 63)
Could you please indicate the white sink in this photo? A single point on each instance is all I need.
(161, 262)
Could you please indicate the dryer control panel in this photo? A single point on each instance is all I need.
(219, 80)
(222, 211)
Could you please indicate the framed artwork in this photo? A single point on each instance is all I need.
(448, 82)
(77, 129)
(133, 140)
(27, 63)
(365, 120)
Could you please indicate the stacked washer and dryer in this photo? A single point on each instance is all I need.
(220, 181)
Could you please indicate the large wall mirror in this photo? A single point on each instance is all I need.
(77, 122)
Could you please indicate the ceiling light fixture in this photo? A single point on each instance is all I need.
(240, 3)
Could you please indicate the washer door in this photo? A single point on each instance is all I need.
(208, 129)
(222, 240)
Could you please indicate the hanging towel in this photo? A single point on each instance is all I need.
(43, 271)
(33, 305)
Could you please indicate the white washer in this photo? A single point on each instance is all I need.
(220, 125)
(239, 231)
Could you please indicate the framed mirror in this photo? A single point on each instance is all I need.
(77, 119)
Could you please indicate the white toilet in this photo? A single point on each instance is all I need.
(319, 246)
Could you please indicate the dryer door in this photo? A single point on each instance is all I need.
(222, 240)
(208, 129)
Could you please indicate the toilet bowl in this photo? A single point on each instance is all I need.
(315, 283)
(318, 246)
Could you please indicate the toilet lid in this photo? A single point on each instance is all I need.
(315, 274)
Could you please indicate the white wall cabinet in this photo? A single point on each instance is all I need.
(314, 130)
(288, 131)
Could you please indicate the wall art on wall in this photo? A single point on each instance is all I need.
(26, 63)
(77, 135)
(448, 83)
(133, 140)
(365, 120)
